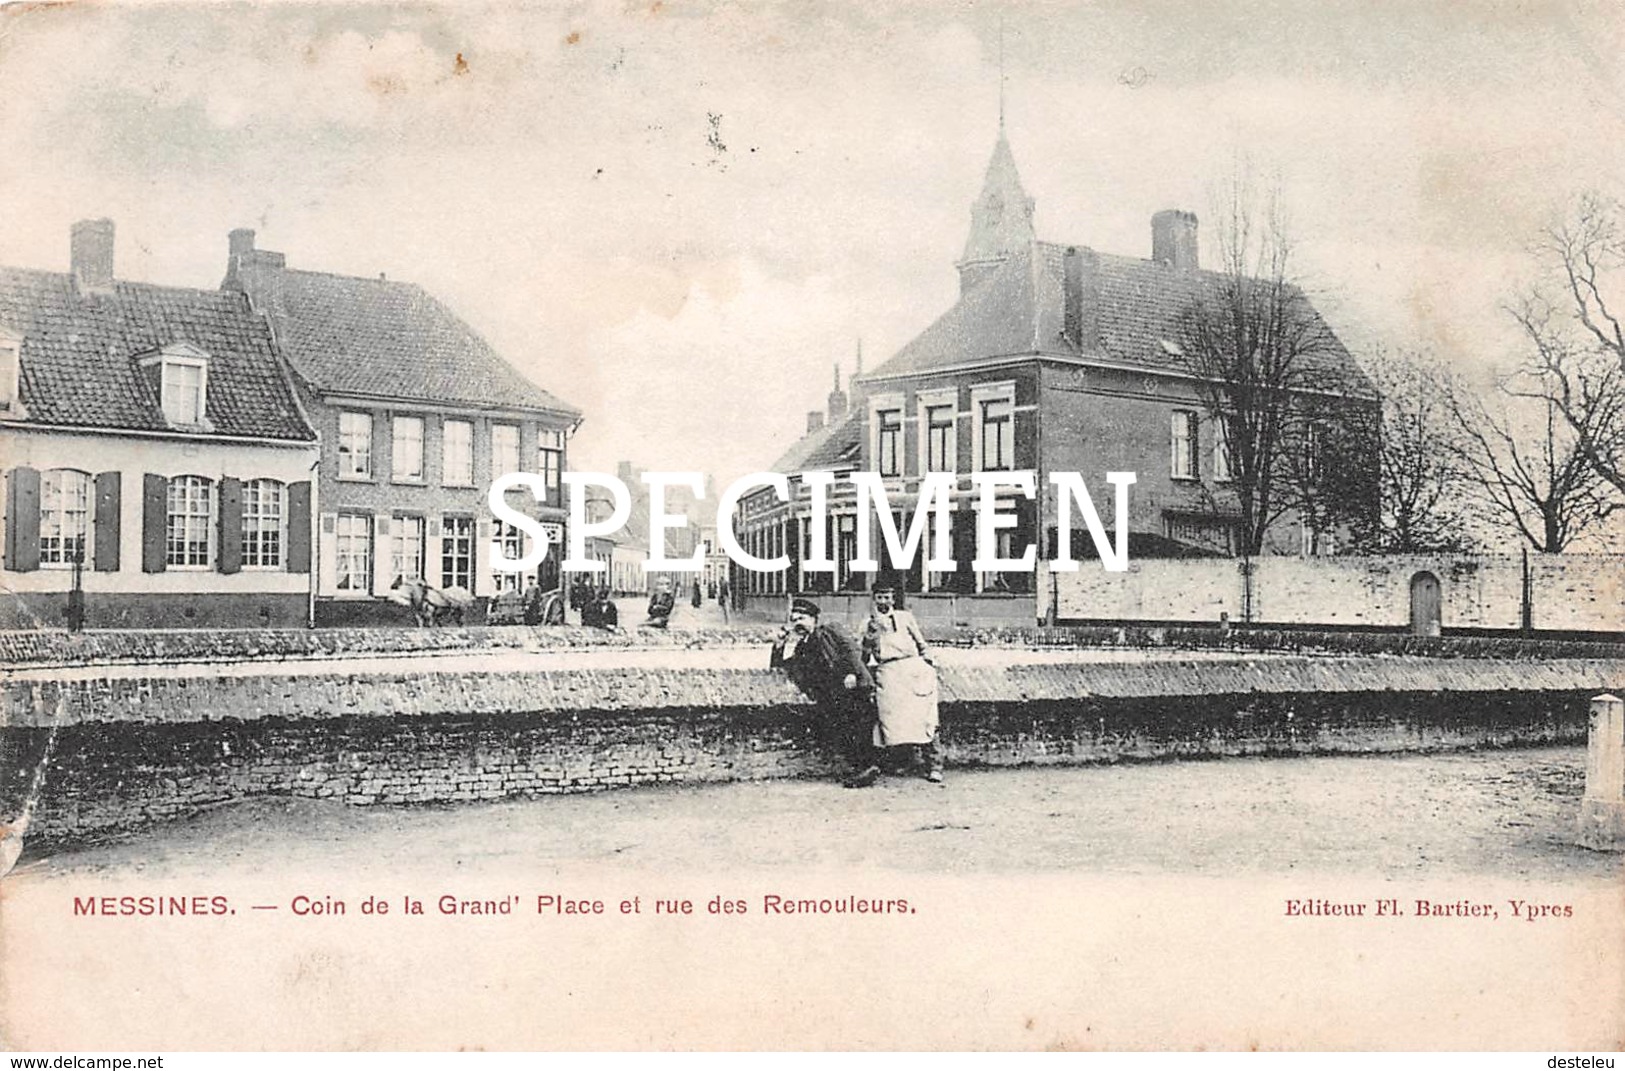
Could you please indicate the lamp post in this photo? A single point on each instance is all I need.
(76, 593)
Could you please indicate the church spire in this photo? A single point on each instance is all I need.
(1001, 219)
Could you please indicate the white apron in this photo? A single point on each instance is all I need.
(905, 686)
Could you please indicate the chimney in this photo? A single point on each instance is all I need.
(1072, 303)
(1173, 239)
(815, 420)
(837, 400)
(248, 268)
(91, 254)
(1080, 324)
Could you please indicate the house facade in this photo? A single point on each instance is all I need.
(1055, 358)
(417, 415)
(156, 456)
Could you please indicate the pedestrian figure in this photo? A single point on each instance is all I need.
(661, 605)
(696, 599)
(608, 616)
(905, 684)
(827, 665)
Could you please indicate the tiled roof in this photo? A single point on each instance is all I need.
(79, 355)
(831, 447)
(389, 339)
(1020, 308)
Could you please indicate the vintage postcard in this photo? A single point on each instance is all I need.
(678, 525)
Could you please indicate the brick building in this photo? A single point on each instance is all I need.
(417, 415)
(1054, 358)
(150, 436)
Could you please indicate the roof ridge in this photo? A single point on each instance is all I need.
(143, 284)
(356, 278)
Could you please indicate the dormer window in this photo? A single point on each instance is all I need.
(180, 373)
(183, 391)
(11, 363)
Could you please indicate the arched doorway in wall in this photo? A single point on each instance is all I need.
(1424, 604)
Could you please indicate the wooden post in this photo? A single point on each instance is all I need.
(1602, 811)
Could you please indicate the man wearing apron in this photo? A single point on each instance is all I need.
(905, 683)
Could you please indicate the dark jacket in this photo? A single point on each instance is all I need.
(820, 663)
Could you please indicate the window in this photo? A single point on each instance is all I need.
(10, 370)
(64, 516)
(1211, 533)
(998, 440)
(264, 524)
(407, 548)
(1221, 448)
(353, 543)
(457, 454)
(457, 553)
(846, 546)
(504, 449)
(183, 390)
(889, 442)
(1312, 454)
(406, 451)
(513, 546)
(550, 461)
(355, 446)
(940, 447)
(1184, 445)
(191, 509)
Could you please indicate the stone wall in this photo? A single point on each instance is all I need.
(1568, 592)
(129, 745)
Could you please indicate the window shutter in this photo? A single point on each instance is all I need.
(299, 527)
(154, 522)
(383, 558)
(231, 525)
(22, 520)
(109, 494)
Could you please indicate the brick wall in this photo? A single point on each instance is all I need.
(120, 610)
(138, 747)
(1568, 592)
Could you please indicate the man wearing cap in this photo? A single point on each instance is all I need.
(905, 683)
(826, 664)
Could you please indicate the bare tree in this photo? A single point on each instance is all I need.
(1532, 476)
(1271, 370)
(1423, 484)
(1577, 341)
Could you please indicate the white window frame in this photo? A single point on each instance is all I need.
(449, 543)
(348, 469)
(344, 544)
(878, 405)
(925, 402)
(404, 448)
(255, 551)
(207, 517)
(1182, 455)
(980, 397)
(456, 471)
(11, 371)
(514, 542)
(56, 515)
(550, 462)
(407, 529)
(500, 464)
(170, 368)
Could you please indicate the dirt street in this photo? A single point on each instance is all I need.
(1502, 813)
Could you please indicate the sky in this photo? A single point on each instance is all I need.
(681, 216)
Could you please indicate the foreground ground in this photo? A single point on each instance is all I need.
(1504, 813)
(1162, 905)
